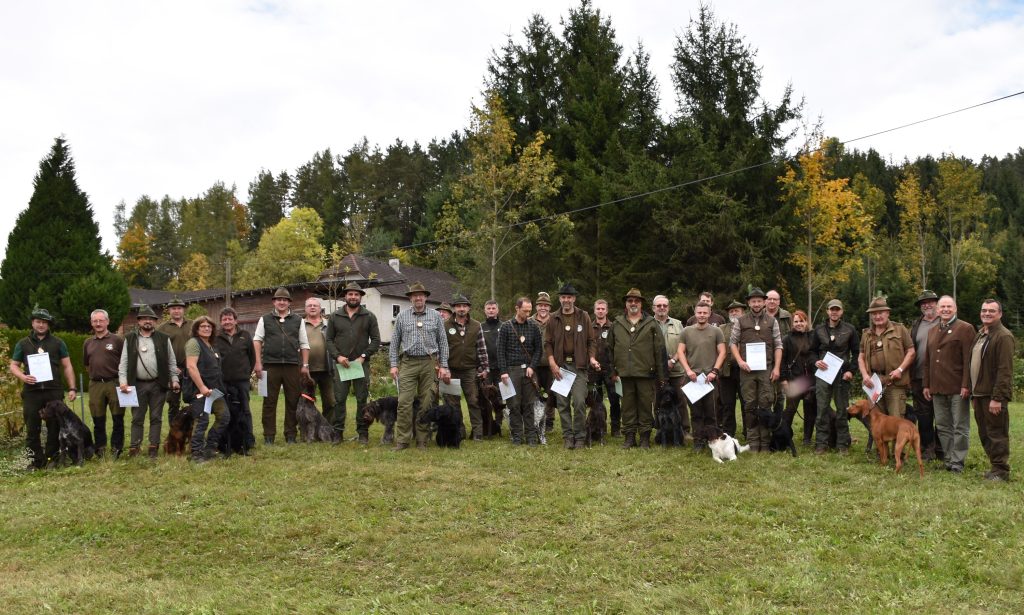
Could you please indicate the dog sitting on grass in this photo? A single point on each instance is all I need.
(492, 408)
(180, 432)
(312, 425)
(74, 437)
(668, 408)
(723, 446)
(596, 419)
(782, 434)
(448, 421)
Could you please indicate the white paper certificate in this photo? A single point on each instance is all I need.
(618, 387)
(757, 356)
(874, 392)
(833, 365)
(563, 386)
(698, 388)
(455, 388)
(129, 399)
(507, 390)
(39, 366)
(261, 388)
(214, 396)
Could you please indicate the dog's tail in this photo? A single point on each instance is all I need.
(917, 451)
(740, 448)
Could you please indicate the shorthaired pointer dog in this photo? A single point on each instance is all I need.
(885, 429)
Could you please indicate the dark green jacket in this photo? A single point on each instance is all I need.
(352, 337)
(637, 353)
(237, 354)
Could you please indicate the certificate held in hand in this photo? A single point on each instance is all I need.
(757, 356)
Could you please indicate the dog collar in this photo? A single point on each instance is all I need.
(304, 396)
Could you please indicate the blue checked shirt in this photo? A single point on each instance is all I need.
(419, 334)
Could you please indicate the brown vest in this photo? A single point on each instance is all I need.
(750, 335)
(462, 348)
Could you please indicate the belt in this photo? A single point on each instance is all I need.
(103, 379)
(568, 359)
(145, 380)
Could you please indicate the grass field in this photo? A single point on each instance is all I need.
(491, 528)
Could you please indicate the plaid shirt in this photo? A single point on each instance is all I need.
(419, 335)
(510, 349)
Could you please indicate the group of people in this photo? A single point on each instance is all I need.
(763, 356)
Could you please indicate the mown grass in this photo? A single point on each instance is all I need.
(491, 528)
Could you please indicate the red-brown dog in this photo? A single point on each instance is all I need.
(886, 429)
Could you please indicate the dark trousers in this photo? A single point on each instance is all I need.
(32, 403)
(360, 386)
(325, 382)
(810, 412)
(824, 393)
(994, 432)
(704, 412)
(173, 398)
(728, 391)
(203, 444)
(603, 383)
(924, 410)
(237, 393)
(686, 408)
(281, 375)
(151, 401)
(521, 424)
(471, 391)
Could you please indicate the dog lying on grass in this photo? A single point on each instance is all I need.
(312, 425)
(74, 437)
(885, 429)
(723, 446)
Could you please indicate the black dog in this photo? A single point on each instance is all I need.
(312, 425)
(74, 437)
(782, 433)
(385, 411)
(234, 438)
(450, 428)
(668, 406)
(492, 408)
(596, 419)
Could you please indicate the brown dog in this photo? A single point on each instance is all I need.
(885, 429)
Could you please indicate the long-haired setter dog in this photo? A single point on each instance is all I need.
(180, 432)
(74, 437)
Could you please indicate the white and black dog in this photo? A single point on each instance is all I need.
(723, 446)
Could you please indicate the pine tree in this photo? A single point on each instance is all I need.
(54, 250)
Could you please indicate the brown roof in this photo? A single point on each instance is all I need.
(353, 268)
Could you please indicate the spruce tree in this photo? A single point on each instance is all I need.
(54, 250)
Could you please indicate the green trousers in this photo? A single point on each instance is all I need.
(416, 380)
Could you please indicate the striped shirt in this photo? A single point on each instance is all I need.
(511, 349)
(419, 334)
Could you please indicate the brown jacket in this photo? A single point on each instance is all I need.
(896, 343)
(946, 358)
(995, 378)
(584, 343)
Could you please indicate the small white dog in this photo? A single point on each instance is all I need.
(723, 446)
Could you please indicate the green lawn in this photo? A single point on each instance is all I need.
(491, 528)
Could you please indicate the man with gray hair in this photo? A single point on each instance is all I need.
(672, 329)
(101, 355)
(947, 384)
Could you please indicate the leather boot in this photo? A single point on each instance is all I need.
(133, 451)
(580, 443)
(630, 441)
(153, 448)
(421, 439)
(364, 439)
(401, 446)
(567, 443)
(645, 440)
(101, 452)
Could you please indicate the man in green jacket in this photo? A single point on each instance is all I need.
(352, 338)
(991, 369)
(636, 348)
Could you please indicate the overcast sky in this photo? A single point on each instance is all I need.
(170, 97)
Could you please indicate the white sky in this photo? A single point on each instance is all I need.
(170, 97)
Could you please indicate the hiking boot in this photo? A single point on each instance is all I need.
(820, 450)
(153, 449)
(567, 444)
(580, 444)
(843, 451)
(421, 445)
(401, 446)
(364, 439)
(289, 439)
(645, 440)
(268, 440)
(133, 451)
(101, 452)
(630, 441)
(992, 476)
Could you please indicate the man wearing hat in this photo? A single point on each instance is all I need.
(841, 339)
(637, 351)
(569, 346)
(147, 363)
(755, 329)
(924, 410)
(419, 357)
(282, 350)
(729, 375)
(179, 330)
(887, 349)
(543, 371)
(352, 338)
(35, 394)
(468, 360)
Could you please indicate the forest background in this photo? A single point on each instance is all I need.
(569, 172)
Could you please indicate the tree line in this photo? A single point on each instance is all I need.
(572, 170)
